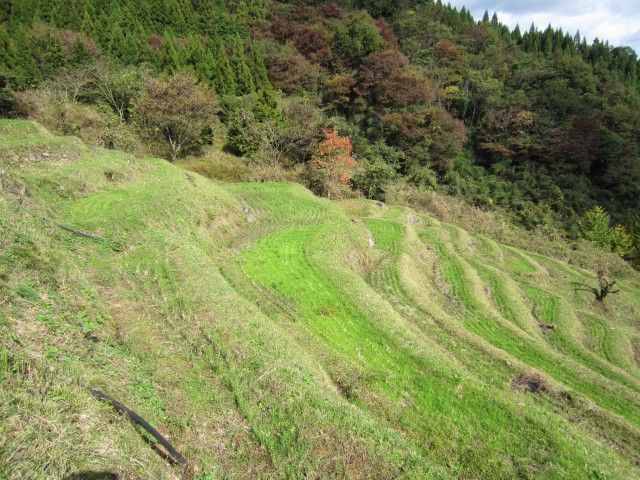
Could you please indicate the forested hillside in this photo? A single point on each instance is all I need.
(534, 122)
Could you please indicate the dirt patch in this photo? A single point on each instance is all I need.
(113, 176)
(472, 247)
(635, 351)
(344, 387)
(529, 383)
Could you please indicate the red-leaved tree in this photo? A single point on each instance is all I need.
(332, 164)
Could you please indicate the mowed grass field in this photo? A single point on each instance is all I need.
(268, 333)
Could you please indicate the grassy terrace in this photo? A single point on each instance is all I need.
(256, 328)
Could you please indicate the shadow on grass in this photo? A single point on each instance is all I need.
(92, 476)
(583, 287)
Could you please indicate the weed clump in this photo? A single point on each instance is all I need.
(529, 383)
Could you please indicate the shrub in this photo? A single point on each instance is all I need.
(594, 226)
(621, 240)
(177, 112)
(372, 177)
(219, 166)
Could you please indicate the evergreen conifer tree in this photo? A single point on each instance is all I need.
(127, 20)
(73, 10)
(266, 107)
(87, 25)
(172, 58)
(621, 240)
(45, 11)
(547, 41)
(244, 80)
(517, 35)
(584, 49)
(21, 13)
(187, 16)
(258, 68)
(143, 15)
(203, 64)
(576, 39)
(5, 11)
(26, 72)
(79, 54)
(116, 44)
(594, 226)
(568, 45)
(54, 57)
(224, 78)
(208, 68)
(6, 50)
(131, 51)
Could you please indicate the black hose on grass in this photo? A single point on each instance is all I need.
(174, 455)
(116, 245)
(12, 364)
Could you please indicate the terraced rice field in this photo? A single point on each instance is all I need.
(263, 333)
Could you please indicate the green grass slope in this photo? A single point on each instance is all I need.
(268, 333)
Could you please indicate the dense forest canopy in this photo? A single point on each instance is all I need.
(535, 122)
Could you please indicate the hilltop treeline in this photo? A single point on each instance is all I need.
(540, 124)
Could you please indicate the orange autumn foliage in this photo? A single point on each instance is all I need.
(332, 162)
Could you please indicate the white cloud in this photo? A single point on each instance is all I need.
(618, 22)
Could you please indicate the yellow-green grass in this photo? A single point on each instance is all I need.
(335, 325)
(256, 328)
(482, 321)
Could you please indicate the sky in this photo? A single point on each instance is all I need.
(618, 22)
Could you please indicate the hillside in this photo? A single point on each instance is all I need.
(268, 333)
(534, 124)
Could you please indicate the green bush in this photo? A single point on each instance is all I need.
(594, 226)
(621, 240)
(372, 177)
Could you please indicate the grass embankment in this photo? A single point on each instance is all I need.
(256, 327)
